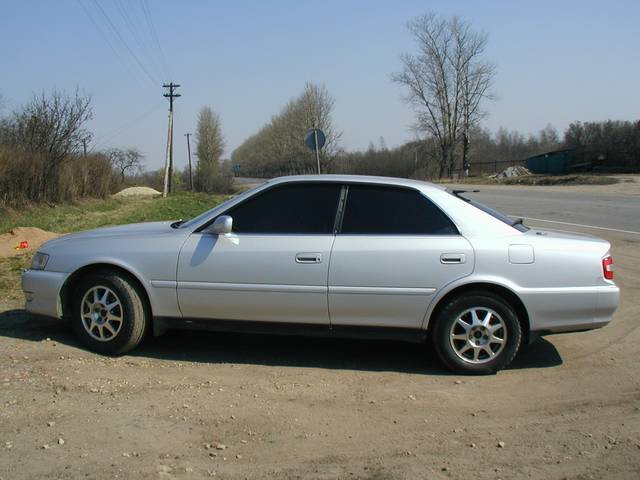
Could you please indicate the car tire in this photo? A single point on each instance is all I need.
(108, 312)
(476, 333)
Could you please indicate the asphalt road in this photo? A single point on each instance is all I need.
(249, 180)
(569, 207)
(563, 208)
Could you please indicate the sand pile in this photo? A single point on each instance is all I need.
(137, 192)
(32, 235)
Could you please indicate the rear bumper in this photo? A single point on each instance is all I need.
(42, 292)
(570, 309)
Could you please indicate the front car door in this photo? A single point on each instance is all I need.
(394, 251)
(272, 267)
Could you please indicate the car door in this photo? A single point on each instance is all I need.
(394, 251)
(274, 264)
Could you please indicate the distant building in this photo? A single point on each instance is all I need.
(558, 162)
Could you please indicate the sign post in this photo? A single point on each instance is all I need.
(315, 140)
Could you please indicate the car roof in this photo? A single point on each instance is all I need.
(401, 182)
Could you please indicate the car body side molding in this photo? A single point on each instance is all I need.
(414, 335)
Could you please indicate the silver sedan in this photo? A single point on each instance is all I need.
(331, 255)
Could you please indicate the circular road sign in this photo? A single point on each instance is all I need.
(315, 139)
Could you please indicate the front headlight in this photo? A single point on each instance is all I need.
(39, 261)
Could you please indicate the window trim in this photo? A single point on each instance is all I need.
(342, 204)
(396, 187)
(227, 211)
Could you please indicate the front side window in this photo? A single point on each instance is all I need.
(382, 210)
(303, 208)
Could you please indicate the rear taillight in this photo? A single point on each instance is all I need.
(607, 267)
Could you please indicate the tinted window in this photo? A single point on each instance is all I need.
(298, 208)
(517, 224)
(388, 210)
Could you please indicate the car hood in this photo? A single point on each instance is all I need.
(133, 229)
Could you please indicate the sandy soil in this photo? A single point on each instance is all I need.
(34, 236)
(137, 192)
(194, 405)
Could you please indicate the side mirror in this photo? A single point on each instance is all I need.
(220, 225)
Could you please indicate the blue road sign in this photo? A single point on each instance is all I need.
(315, 135)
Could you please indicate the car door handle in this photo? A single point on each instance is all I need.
(308, 258)
(453, 258)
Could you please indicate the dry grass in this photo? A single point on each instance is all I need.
(10, 271)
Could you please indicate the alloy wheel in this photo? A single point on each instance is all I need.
(478, 335)
(101, 313)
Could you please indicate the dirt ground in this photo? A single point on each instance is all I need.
(34, 237)
(194, 405)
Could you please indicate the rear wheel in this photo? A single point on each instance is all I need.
(108, 313)
(477, 333)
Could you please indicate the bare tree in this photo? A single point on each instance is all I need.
(278, 147)
(209, 177)
(549, 138)
(477, 78)
(125, 161)
(446, 81)
(316, 106)
(41, 152)
(52, 126)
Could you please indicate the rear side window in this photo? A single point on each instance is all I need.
(304, 208)
(394, 211)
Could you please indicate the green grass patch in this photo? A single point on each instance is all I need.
(90, 214)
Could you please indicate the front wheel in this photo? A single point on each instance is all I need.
(477, 333)
(108, 313)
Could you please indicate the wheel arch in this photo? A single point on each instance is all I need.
(67, 288)
(500, 290)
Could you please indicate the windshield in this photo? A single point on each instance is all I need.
(517, 224)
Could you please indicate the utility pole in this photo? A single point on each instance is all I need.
(315, 138)
(168, 166)
(84, 147)
(189, 152)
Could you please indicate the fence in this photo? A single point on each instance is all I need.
(491, 167)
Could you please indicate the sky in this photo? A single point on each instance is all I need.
(557, 62)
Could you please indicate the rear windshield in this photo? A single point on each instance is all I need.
(517, 224)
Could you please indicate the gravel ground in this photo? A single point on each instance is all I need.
(198, 405)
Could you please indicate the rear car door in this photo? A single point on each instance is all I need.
(394, 251)
(274, 264)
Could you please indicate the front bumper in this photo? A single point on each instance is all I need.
(571, 309)
(42, 291)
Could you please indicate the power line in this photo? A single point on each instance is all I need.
(106, 39)
(154, 34)
(131, 21)
(125, 126)
(117, 33)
